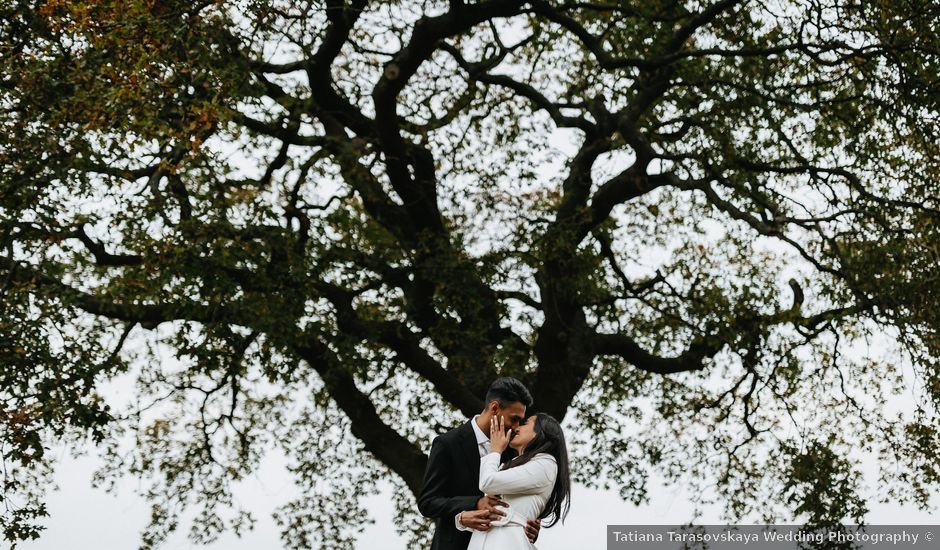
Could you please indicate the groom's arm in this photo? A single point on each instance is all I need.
(435, 502)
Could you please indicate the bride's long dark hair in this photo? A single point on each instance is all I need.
(549, 438)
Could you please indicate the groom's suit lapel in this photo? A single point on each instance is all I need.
(470, 451)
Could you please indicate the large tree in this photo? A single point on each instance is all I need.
(704, 233)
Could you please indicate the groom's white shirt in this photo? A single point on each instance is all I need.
(483, 446)
(483, 442)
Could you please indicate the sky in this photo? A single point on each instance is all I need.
(82, 517)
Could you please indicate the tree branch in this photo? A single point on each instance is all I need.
(382, 441)
(623, 346)
(400, 339)
(478, 73)
(148, 315)
(102, 256)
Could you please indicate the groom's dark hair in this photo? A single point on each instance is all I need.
(508, 390)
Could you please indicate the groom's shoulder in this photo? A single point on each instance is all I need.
(452, 434)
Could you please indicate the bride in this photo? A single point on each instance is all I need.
(536, 483)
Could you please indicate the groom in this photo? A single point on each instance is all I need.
(451, 493)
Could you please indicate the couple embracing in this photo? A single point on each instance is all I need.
(491, 481)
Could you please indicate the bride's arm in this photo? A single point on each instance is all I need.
(530, 478)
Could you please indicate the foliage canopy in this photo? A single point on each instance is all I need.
(703, 232)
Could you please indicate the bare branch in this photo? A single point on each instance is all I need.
(692, 359)
(381, 440)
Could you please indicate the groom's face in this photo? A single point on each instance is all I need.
(513, 415)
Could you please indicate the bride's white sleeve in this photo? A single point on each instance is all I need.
(530, 478)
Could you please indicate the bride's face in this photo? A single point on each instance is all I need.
(524, 434)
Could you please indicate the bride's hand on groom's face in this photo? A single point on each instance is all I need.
(499, 435)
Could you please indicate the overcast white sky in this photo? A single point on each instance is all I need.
(86, 518)
(82, 517)
(89, 518)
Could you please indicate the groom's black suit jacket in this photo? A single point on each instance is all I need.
(452, 485)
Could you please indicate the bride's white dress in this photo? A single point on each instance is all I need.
(525, 488)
